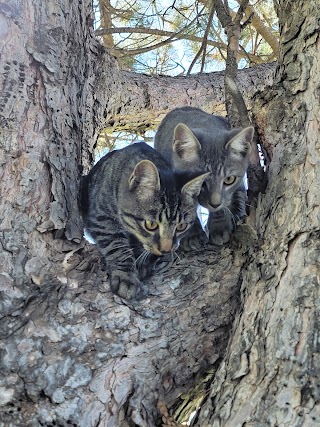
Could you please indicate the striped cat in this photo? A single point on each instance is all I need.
(193, 140)
(136, 210)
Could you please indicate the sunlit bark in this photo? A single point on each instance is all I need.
(74, 354)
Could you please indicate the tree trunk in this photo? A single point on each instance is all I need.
(71, 352)
(74, 354)
(270, 373)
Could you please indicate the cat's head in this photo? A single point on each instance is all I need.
(224, 155)
(159, 207)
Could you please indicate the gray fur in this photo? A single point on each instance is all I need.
(191, 139)
(123, 190)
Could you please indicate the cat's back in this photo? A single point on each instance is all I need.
(118, 164)
(111, 173)
(192, 117)
(115, 168)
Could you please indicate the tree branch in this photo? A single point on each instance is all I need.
(173, 37)
(203, 44)
(261, 28)
(140, 104)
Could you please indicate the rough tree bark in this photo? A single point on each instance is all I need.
(144, 100)
(72, 353)
(270, 373)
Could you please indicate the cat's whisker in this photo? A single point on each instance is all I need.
(122, 247)
(110, 204)
(128, 252)
(250, 206)
(128, 257)
(142, 258)
(124, 250)
(138, 261)
(232, 216)
(175, 253)
(124, 255)
(118, 244)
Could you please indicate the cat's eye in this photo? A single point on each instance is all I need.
(229, 180)
(150, 225)
(181, 227)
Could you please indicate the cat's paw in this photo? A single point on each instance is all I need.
(125, 285)
(220, 238)
(193, 242)
(148, 267)
(221, 226)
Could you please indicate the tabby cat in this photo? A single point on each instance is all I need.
(193, 140)
(136, 209)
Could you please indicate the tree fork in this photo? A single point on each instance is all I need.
(71, 352)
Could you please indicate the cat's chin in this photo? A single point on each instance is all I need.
(215, 210)
(204, 203)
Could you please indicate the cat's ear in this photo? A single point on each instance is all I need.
(185, 144)
(240, 145)
(192, 188)
(145, 179)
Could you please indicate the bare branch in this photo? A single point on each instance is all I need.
(205, 38)
(203, 45)
(172, 38)
(222, 12)
(239, 15)
(142, 45)
(261, 28)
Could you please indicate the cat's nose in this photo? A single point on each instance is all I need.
(165, 245)
(215, 200)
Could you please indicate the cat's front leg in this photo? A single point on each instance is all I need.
(126, 285)
(195, 239)
(115, 247)
(222, 224)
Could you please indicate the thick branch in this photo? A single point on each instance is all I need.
(110, 361)
(106, 21)
(143, 100)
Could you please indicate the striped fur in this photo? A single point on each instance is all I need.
(190, 139)
(136, 210)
